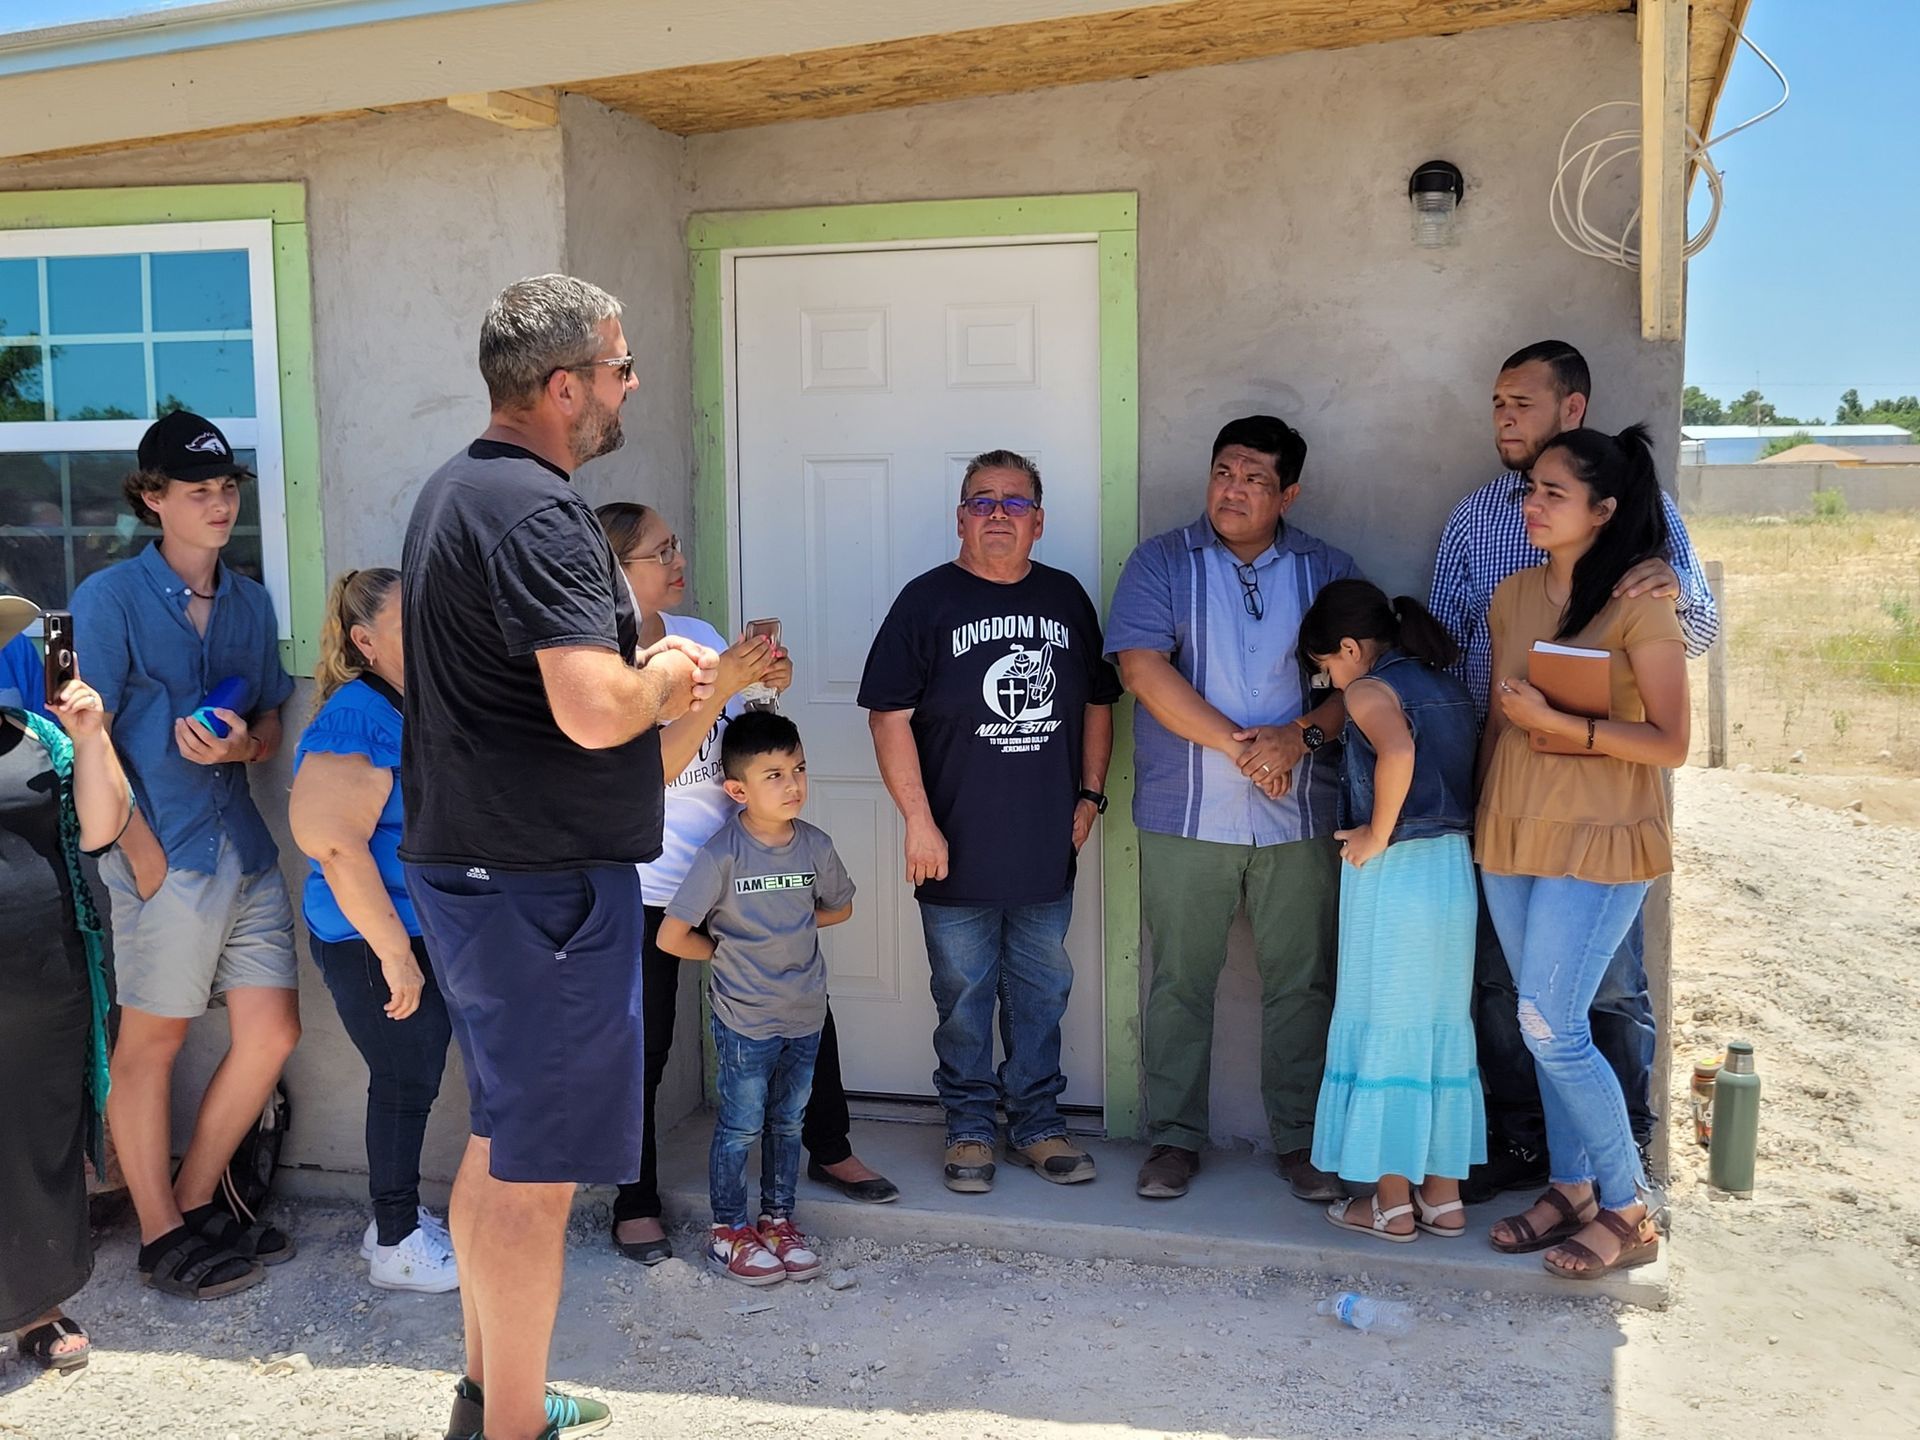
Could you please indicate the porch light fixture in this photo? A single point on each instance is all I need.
(1436, 189)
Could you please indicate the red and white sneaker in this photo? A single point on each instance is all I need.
(796, 1256)
(738, 1253)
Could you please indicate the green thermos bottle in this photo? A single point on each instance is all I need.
(1736, 1122)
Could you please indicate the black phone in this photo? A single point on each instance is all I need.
(57, 628)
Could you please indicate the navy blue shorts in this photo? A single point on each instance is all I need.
(541, 974)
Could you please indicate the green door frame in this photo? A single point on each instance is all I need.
(285, 205)
(1111, 220)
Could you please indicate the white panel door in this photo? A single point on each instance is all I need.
(865, 381)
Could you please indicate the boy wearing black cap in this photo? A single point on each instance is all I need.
(154, 635)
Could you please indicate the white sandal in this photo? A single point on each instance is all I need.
(1337, 1211)
(1431, 1213)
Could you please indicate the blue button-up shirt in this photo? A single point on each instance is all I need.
(135, 645)
(1486, 541)
(1180, 595)
(23, 681)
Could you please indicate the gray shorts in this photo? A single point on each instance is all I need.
(199, 936)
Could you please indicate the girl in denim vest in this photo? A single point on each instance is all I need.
(1400, 1102)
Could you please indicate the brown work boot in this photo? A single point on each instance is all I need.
(1296, 1168)
(1167, 1171)
(1058, 1160)
(970, 1167)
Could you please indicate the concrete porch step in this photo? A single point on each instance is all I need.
(1238, 1213)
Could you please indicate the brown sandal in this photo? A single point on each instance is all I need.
(1571, 1223)
(1639, 1245)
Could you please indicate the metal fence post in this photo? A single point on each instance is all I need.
(1717, 672)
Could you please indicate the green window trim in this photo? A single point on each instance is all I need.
(1112, 219)
(285, 205)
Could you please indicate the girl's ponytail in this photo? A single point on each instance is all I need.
(1422, 636)
(1359, 610)
(355, 599)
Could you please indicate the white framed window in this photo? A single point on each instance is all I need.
(102, 329)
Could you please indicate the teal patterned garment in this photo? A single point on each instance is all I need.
(92, 934)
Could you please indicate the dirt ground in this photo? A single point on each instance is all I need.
(1793, 1314)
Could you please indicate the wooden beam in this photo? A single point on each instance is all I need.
(1663, 141)
(536, 109)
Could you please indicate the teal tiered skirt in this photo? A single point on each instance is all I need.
(1401, 1091)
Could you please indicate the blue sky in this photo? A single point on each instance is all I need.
(1811, 285)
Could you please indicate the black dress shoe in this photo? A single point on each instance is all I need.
(646, 1252)
(877, 1191)
(1507, 1167)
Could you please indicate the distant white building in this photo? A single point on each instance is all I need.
(1743, 444)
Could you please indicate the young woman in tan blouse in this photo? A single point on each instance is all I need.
(1567, 843)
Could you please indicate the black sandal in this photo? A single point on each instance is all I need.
(259, 1241)
(37, 1344)
(1571, 1223)
(1639, 1245)
(646, 1252)
(195, 1268)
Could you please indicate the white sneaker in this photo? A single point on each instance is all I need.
(420, 1262)
(426, 1220)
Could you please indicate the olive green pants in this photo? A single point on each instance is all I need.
(1190, 891)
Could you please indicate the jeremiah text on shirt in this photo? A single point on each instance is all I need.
(998, 678)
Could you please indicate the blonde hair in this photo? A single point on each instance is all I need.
(356, 598)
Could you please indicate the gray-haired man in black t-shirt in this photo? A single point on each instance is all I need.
(530, 772)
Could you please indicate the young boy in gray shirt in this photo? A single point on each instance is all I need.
(761, 888)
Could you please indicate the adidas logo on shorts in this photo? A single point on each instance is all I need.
(474, 872)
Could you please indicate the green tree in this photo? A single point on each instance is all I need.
(1751, 409)
(1781, 443)
(1850, 409)
(1904, 412)
(1699, 408)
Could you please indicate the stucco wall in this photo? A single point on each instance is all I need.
(1788, 489)
(1277, 274)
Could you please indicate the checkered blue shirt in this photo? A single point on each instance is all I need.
(1486, 541)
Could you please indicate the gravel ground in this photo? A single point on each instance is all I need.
(1793, 1314)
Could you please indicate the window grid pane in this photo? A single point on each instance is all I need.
(78, 336)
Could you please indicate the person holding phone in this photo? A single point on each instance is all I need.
(62, 793)
(697, 805)
(157, 633)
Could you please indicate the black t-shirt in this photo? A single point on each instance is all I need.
(998, 678)
(502, 560)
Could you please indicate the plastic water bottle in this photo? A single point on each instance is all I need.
(1368, 1315)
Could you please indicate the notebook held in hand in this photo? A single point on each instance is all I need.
(1575, 682)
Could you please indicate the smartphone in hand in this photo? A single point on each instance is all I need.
(61, 666)
(762, 697)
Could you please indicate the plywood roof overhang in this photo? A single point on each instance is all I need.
(1072, 50)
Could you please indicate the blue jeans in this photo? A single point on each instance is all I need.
(405, 1060)
(1015, 955)
(1560, 936)
(763, 1088)
(1623, 1029)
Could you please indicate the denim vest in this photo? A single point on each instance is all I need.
(1445, 737)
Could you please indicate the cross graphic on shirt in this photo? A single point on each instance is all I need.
(1013, 694)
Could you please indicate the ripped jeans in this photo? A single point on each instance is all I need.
(1560, 936)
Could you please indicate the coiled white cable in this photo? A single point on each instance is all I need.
(1597, 157)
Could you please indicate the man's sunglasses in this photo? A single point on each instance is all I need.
(1016, 506)
(621, 365)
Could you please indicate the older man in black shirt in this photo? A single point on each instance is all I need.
(531, 777)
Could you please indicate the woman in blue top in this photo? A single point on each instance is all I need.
(1400, 1100)
(345, 814)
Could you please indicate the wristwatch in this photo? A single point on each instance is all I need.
(1312, 734)
(1094, 797)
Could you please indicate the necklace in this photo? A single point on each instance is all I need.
(196, 594)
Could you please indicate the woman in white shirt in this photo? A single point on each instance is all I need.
(697, 805)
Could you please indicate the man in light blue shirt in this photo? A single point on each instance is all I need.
(1234, 795)
(154, 635)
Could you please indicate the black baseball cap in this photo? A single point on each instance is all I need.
(184, 446)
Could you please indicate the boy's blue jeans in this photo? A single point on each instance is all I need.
(1560, 936)
(763, 1090)
(1015, 956)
